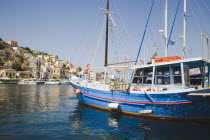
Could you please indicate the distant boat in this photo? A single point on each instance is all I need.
(31, 81)
(8, 81)
(52, 82)
(160, 89)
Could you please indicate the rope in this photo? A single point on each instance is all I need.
(99, 40)
(144, 31)
(205, 5)
(201, 11)
(143, 35)
(173, 23)
(117, 111)
(123, 25)
(191, 8)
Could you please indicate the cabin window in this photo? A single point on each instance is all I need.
(177, 80)
(163, 80)
(163, 71)
(139, 72)
(137, 80)
(143, 76)
(138, 76)
(177, 74)
(147, 76)
(162, 75)
(176, 70)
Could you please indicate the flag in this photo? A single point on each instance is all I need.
(171, 42)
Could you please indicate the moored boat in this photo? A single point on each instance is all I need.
(31, 81)
(160, 89)
(52, 82)
(8, 81)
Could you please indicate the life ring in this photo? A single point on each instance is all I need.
(78, 91)
(149, 89)
(136, 88)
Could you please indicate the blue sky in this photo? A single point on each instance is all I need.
(71, 28)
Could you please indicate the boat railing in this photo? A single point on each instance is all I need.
(155, 88)
(95, 85)
(120, 87)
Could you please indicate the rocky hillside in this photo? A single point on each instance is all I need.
(17, 58)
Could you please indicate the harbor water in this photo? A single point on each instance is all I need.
(53, 112)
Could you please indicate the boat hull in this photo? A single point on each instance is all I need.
(167, 106)
(52, 83)
(31, 83)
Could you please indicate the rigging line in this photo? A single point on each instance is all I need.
(84, 37)
(173, 23)
(205, 5)
(101, 26)
(119, 33)
(123, 23)
(202, 12)
(121, 41)
(144, 32)
(121, 38)
(143, 36)
(199, 26)
(99, 40)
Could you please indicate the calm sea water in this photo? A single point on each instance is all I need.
(53, 112)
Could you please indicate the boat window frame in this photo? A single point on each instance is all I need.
(169, 76)
(143, 77)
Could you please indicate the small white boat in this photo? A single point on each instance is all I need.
(31, 82)
(8, 81)
(52, 82)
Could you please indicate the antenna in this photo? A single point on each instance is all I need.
(166, 28)
(184, 30)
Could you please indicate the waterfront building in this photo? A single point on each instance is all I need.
(46, 70)
(47, 58)
(40, 56)
(24, 74)
(58, 72)
(58, 63)
(9, 73)
(64, 62)
(53, 58)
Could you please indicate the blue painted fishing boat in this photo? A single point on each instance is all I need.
(160, 89)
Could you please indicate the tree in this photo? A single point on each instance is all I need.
(1, 46)
(1, 62)
(79, 69)
(28, 49)
(20, 57)
(16, 66)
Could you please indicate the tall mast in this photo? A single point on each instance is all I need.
(107, 34)
(184, 30)
(166, 28)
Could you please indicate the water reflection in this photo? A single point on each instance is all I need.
(114, 120)
(19, 103)
(91, 122)
(53, 112)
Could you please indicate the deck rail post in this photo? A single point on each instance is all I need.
(182, 74)
(153, 77)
